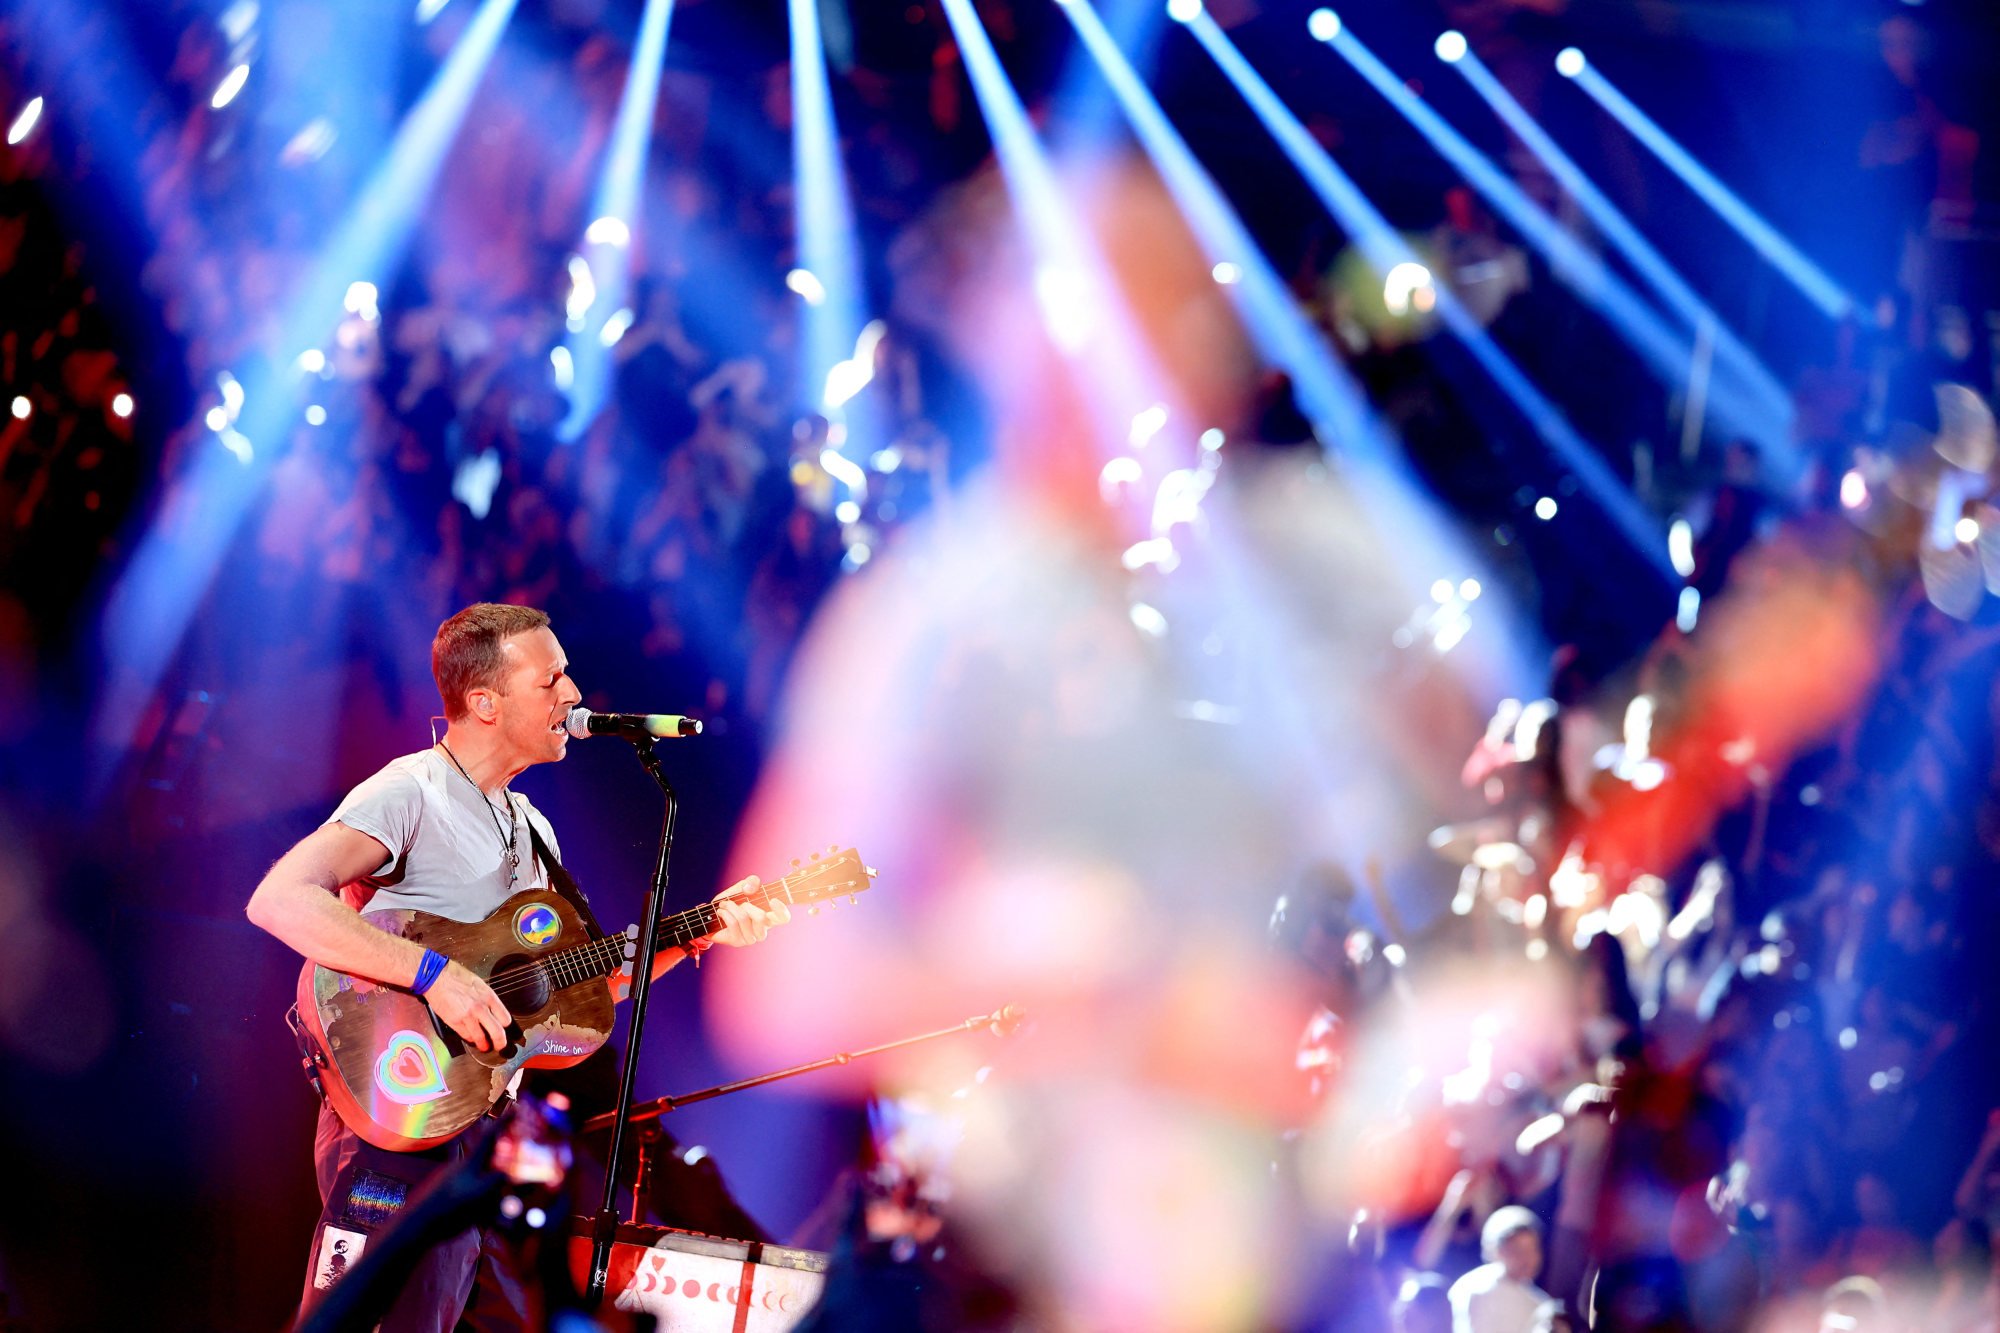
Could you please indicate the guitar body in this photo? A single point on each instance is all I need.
(403, 1080)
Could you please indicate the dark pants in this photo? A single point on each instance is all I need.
(467, 1282)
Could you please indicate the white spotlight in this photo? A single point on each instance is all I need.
(1688, 610)
(806, 285)
(315, 415)
(1545, 508)
(582, 291)
(361, 300)
(121, 406)
(1408, 286)
(1570, 63)
(1853, 489)
(1323, 24)
(24, 124)
(1226, 273)
(22, 407)
(1450, 47)
(608, 230)
(1680, 546)
(1183, 11)
(232, 84)
(1966, 530)
(1469, 590)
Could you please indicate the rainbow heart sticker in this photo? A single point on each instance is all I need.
(407, 1071)
(536, 924)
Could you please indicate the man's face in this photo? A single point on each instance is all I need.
(536, 695)
(1521, 1253)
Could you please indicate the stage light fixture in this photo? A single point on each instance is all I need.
(1183, 11)
(1323, 24)
(1570, 62)
(121, 406)
(22, 408)
(1451, 47)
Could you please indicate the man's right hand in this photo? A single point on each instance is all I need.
(469, 1007)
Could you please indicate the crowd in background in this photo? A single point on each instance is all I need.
(1779, 1086)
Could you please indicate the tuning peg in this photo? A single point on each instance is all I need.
(815, 856)
(853, 898)
(812, 911)
(795, 863)
(832, 847)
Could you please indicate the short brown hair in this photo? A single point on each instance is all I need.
(465, 655)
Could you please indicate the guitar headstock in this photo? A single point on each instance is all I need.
(824, 877)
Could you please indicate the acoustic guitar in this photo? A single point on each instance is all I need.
(402, 1080)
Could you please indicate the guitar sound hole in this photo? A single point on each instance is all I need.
(521, 986)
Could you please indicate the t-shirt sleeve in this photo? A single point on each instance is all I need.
(388, 808)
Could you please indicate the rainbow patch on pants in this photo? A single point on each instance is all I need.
(536, 925)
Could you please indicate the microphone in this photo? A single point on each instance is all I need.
(583, 724)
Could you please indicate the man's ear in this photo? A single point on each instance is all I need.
(483, 706)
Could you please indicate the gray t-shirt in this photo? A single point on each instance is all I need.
(446, 855)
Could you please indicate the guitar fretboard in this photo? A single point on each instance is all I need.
(600, 958)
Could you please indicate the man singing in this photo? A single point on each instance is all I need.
(439, 831)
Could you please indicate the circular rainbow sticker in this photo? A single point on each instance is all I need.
(536, 924)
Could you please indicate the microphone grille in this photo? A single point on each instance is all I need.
(578, 722)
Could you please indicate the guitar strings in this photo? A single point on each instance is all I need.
(578, 964)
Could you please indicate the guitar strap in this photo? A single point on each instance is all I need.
(564, 883)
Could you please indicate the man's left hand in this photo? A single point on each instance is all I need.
(745, 922)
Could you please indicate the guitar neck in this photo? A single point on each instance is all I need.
(600, 958)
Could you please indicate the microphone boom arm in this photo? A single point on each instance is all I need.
(1003, 1021)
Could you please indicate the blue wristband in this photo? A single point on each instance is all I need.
(428, 971)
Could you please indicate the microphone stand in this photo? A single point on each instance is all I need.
(605, 1227)
(1001, 1021)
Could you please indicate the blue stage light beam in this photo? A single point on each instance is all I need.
(1082, 120)
(615, 216)
(1648, 262)
(1811, 280)
(1082, 314)
(149, 608)
(1765, 421)
(1285, 338)
(1090, 323)
(1384, 249)
(829, 248)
